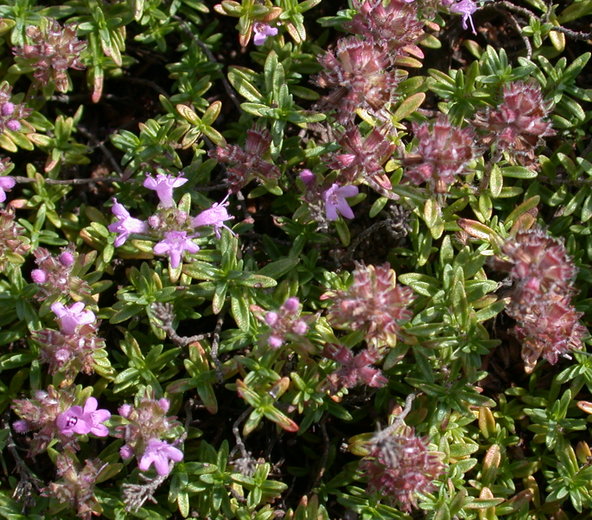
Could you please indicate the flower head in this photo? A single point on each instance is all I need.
(546, 323)
(374, 302)
(6, 184)
(214, 216)
(73, 317)
(159, 453)
(399, 465)
(83, 420)
(392, 26)
(164, 185)
(335, 202)
(175, 243)
(125, 224)
(247, 163)
(518, 124)
(362, 158)
(285, 323)
(358, 72)
(441, 154)
(262, 32)
(54, 49)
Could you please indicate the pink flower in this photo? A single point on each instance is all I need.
(335, 201)
(159, 453)
(73, 317)
(214, 216)
(174, 245)
(6, 184)
(84, 420)
(466, 8)
(262, 32)
(125, 225)
(355, 370)
(38, 276)
(164, 185)
(126, 452)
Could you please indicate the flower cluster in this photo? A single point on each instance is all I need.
(70, 350)
(399, 466)
(373, 302)
(143, 428)
(355, 369)
(11, 113)
(54, 50)
(441, 154)
(247, 163)
(39, 414)
(285, 323)
(76, 485)
(173, 228)
(518, 124)
(56, 275)
(547, 324)
(394, 26)
(362, 158)
(12, 243)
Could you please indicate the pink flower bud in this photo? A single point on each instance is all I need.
(164, 404)
(7, 109)
(13, 125)
(275, 341)
(38, 275)
(300, 327)
(126, 452)
(292, 304)
(307, 177)
(271, 318)
(124, 410)
(20, 426)
(66, 259)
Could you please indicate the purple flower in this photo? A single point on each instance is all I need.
(262, 32)
(72, 317)
(335, 201)
(307, 177)
(6, 184)
(38, 276)
(466, 8)
(126, 452)
(84, 420)
(163, 185)
(175, 243)
(125, 225)
(66, 258)
(215, 217)
(159, 453)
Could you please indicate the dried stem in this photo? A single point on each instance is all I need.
(101, 145)
(165, 314)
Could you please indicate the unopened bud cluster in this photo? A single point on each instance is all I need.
(53, 50)
(12, 242)
(285, 323)
(11, 113)
(547, 323)
(54, 274)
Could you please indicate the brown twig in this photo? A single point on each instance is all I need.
(101, 145)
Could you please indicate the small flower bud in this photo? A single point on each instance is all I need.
(20, 426)
(66, 259)
(13, 125)
(124, 410)
(7, 109)
(38, 276)
(275, 342)
(307, 177)
(126, 452)
(291, 304)
(271, 318)
(300, 327)
(164, 404)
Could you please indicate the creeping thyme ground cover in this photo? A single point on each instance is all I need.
(309, 260)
